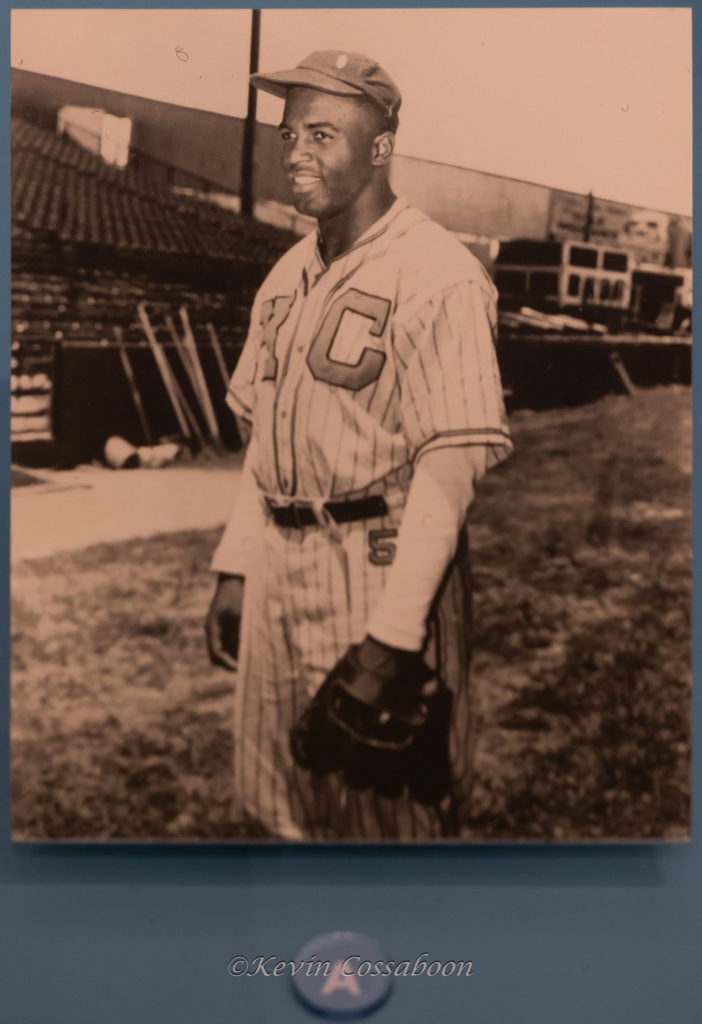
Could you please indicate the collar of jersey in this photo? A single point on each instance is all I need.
(376, 228)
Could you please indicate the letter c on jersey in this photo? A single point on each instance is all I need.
(352, 376)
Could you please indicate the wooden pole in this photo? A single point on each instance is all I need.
(187, 366)
(589, 214)
(184, 357)
(247, 147)
(219, 355)
(169, 381)
(189, 414)
(191, 348)
(615, 358)
(129, 374)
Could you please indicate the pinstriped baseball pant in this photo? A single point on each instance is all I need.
(308, 598)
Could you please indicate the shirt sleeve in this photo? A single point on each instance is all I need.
(440, 492)
(451, 392)
(240, 395)
(236, 549)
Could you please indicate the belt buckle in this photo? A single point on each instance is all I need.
(273, 506)
(296, 510)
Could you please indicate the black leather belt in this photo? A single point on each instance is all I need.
(300, 514)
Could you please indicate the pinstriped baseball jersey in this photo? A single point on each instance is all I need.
(353, 370)
(350, 373)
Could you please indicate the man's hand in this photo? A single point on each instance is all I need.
(382, 718)
(223, 621)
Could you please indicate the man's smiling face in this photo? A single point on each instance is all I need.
(327, 150)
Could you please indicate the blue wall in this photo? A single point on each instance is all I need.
(116, 935)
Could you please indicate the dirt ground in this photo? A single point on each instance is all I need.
(68, 510)
(581, 549)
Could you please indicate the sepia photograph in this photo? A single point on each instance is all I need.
(351, 425)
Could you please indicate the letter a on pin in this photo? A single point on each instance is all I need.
(339, 979)
(341, 992)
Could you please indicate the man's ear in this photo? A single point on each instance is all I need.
(383, 146)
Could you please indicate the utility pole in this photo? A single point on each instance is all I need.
(247, 147)
(589, 214)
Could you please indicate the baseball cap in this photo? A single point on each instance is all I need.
(339, 73)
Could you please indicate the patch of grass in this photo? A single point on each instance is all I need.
(581, 551)
(583, 620)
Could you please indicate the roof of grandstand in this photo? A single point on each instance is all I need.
(63, 192)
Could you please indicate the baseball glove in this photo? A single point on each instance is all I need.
(384, 727)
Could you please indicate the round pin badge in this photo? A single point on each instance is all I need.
(341, 975)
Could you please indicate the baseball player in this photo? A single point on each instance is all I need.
(368, 388)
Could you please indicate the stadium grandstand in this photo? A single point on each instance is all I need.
(89, 243)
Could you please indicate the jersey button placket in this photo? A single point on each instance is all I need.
(288, 389)
(284, 433)
(282, 418)
(284, 425)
